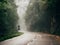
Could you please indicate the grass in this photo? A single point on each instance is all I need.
(2, 38)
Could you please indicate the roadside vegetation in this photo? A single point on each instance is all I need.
(8, 20)
(5, 37)
(44, 16)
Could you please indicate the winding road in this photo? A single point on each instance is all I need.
(31, 38)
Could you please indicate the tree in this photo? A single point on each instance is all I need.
(44, 15)
(37, 17)
(57, 18)
(8, 17)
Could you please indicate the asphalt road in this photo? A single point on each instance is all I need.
(31, 38)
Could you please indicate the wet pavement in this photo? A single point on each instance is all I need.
(31, 38)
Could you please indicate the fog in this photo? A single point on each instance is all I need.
(21, 10)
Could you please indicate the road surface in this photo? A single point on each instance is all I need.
(31, 38)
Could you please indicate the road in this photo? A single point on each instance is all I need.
(31, 38)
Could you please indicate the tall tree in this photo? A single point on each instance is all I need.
(44, 15)
(37, 17)
(8, 17)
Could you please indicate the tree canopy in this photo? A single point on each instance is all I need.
(8, 17)
(42, 15)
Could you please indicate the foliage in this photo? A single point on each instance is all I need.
(41, 15)
(8, 17)
(2, 38)
(37, 17)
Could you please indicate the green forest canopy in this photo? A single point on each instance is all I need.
(8, 17)
(43, 15)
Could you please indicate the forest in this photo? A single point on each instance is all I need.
(8, 19)
(41, 16)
